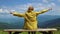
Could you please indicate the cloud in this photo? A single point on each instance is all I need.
(45, 1)
(58, 0)
(53, 4)
(4, 10)
(1, 10)
(12, 10)
(38, 6)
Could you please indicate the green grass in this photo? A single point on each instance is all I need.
(2, 32)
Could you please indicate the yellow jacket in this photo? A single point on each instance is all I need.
(30, 19)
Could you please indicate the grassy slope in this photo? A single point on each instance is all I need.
(1, 32)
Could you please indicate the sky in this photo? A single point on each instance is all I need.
(22, 5)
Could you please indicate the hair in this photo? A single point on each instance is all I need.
(30, 7)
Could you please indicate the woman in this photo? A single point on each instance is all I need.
(30, 18)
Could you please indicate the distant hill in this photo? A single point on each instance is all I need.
(55, 23)
(11, 26)
(44, 21)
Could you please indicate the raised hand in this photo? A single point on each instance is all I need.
(11, 12)
(50, 9)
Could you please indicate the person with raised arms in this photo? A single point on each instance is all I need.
(30, 17)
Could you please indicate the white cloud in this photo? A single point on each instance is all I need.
(4, 10)
(12, 10)
(38, 6)
(1, 10)
(53, 4)
(45, 1)
(58, 0)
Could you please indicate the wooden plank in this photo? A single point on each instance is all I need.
(47, 29)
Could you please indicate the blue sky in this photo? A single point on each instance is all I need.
(22, 5)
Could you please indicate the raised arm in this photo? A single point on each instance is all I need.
(43, 11)
(17, 14)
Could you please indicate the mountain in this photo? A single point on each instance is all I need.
(44, 21)
(55, 23)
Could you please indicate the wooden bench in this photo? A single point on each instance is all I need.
(43, 31)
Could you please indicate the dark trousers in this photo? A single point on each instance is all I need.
(33, 32)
